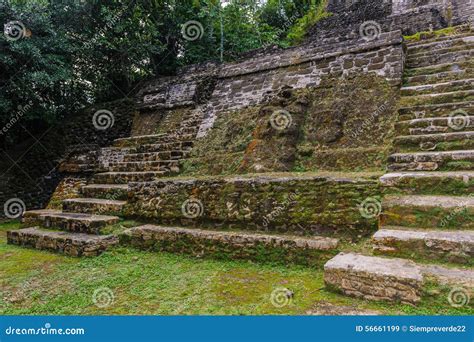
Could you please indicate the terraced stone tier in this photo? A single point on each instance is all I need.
(434, 125)
(233, 245)
(374, 278)
(439, 68)
(143, 166)
(431, 161)
(390, 279)
(445, 49)
(442, 142)
(447, 212)
(166, 146)
(106, 191)
(30, 217)
(433, 183)
(434, 37)
(156, 156)
(72, 222)
(138, 140)
(127, 177)
(447, 56)
(445, 76)
(452, 246)
(449, 86)
(434, 110)
(438, 98)
(72, 244)
(421, 47)
(93, 206)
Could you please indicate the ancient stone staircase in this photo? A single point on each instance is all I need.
(427, 220)
(77, 227)
(428, 213)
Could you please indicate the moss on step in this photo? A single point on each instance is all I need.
(445, 32)
(430, 217)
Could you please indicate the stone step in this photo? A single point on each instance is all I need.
(439, 58)
(438, 98)
(155, 156)
(72, 244)
(429, 38)
(439, 68)
(442, 142)
(30, 217)
(126, 177)
(439, 77)
(175, 137)
(420, 211)
(458, 122)
(434, 110)
(445, 246)
(459, 183)
(444, 45)
(312, 251)
(192, 122)
(138, 140)
(171, 166)
(163, 147)
(375, 278)
(450, 86)
(106, 191)
(431, 161)
(74, 222)
(389, 279)
(185, 130)
(93, 206)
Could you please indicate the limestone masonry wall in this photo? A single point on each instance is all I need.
(334, 47)
(294, 204)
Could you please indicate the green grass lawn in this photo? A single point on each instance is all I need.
(37, 282)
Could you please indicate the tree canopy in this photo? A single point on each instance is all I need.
(57, 56)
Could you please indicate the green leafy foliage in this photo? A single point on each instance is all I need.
(72, 53)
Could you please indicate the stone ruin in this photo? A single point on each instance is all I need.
(359, 132)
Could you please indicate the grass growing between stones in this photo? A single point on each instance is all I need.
(137, 282)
